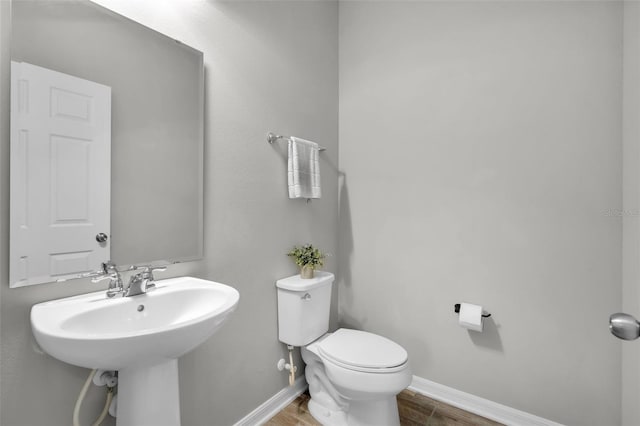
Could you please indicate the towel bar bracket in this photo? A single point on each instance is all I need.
(272, 137)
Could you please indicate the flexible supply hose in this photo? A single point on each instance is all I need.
(83, 393)
(292, 372)
(105, 410)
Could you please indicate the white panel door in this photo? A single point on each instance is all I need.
(60, 175)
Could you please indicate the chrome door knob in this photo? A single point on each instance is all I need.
(102, 237)
(624, 326)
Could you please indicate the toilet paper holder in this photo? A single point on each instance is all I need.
(456, 308)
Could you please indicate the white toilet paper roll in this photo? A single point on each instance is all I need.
(470, 316)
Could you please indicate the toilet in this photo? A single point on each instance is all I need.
(354, 376)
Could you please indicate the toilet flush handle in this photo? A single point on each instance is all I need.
(307, 296)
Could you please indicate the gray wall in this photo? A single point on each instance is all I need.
(631, 211)
(461, 182)
(270, 66)
(481, 146)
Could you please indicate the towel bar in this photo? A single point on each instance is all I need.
(272, 137)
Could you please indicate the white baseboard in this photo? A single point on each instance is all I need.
(275, 404)
(476, 405)
(465, 401)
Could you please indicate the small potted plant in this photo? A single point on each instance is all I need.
(308, 258)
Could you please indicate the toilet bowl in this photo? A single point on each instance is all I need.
(354, 376)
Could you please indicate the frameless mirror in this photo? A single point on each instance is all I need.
(155, 145)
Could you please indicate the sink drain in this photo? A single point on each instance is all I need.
(140, 308)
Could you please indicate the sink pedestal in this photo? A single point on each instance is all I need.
(149, 395)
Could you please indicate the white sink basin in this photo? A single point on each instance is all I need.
(93, 331)
(140, 336)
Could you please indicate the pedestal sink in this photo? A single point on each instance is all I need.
(141, 336)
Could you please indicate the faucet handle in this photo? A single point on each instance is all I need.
(147, 268)
(148, 274)
(142, 282)
(106, 268)
(108, 271)
(109, 267)
(148, 271)
(94, 275)
(91, 274)
(101, 277)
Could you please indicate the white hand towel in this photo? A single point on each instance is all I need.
(303, 169)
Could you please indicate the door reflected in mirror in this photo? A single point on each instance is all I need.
(156, 140)
(60, 174)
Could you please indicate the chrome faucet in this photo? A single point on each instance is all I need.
(142, 282)
(109, 272)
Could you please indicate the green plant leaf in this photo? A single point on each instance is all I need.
(307, 255)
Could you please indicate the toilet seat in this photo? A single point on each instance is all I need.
(362, 351)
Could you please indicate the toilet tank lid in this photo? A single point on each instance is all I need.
(297, 283)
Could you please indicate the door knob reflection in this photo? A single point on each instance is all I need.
(624, 326)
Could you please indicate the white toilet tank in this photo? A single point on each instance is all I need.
(303, 308)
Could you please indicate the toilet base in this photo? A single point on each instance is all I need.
(326, 416)
(383, 412)
(360, 413)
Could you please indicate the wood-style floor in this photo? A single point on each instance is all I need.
(415, 410)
